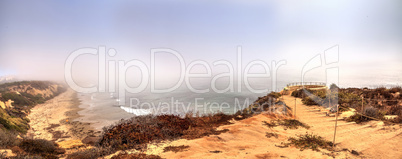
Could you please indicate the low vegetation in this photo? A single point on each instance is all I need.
(271, 134)
(44, 148)
(175, 149)
(275, 95)
(270, 102)
(136, 132)
(30, 148)
(135, 156)
(8, 122)
(369, 114)
(377, 102)
(8, 139)
(309, 141)
(14, 121)
(91, 153)
(286, 124)
(15, 118)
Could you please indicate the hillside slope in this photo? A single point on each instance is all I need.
(17, 98)
(371, 139)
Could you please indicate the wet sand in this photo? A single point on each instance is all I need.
(54, 120)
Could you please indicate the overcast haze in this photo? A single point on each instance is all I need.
(37, 37)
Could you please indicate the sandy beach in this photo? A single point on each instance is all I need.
(54, 120)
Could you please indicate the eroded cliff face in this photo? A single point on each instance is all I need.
(2, 105)
(6, 104)
(28, 93)
(17, 99)
(47, 92)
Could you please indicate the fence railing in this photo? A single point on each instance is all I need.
(306, 83)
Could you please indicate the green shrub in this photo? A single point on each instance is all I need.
(8, 139)
(15, 118)
(13, 123)
(19, 100)
(274, 95)
(45, 148)
(136, 132)
(293, 124)
(269, 135)
(298, 93)
(397, 119)
(395, 89)
(309, 141)
(175, 149)
(135, 156)
(271, 124)
(316, 97)
(30, 156)
(91, 153)
(37, 99)
(371, 112)
(286, 123)
(311, 101)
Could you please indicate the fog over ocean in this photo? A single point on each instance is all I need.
(103, 109)
(351, 44)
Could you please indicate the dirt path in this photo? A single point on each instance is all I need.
(373, 139)
(247, 139)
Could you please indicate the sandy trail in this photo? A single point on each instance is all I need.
(53, 120)
(373, 139)
(246, 138)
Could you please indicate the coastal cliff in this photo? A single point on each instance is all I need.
(17, 99)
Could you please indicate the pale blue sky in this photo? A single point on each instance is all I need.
(36, 37)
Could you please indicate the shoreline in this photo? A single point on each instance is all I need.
(79, 128)
(54, 120)
(98, 109)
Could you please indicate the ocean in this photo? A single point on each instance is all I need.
(103, 109)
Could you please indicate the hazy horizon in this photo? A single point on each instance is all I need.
(36, 38)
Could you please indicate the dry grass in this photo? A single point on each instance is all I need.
(136, 132)
(135, 156)
(286, 124)
(91, 153)
(377, 102)
(44, 148)
(8, 139)
(309, 141)
(371, 112)
(271, 134)
(175, 149)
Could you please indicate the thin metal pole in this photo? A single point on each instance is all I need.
(295, 107)
(336, 122)
(362, 107)
(329, 101)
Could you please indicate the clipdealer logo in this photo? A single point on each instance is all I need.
(109, 67)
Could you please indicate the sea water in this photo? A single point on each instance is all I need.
(103, 109)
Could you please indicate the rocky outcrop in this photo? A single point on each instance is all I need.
(19, 97)
(9, 103)
(2, 105)
(6, 104)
